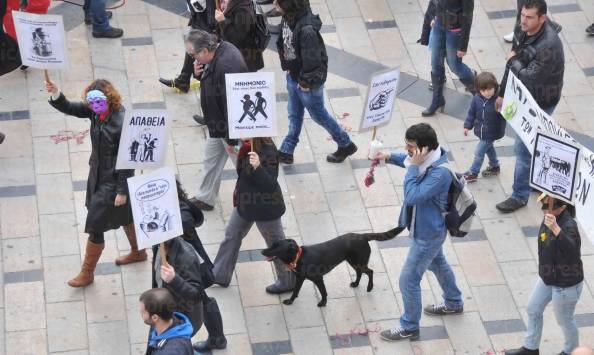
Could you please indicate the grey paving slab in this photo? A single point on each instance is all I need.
(272, 348)
(504, 326)
(15, 115)
(23, 276)
(17, 191)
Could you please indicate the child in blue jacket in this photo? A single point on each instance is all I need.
(488, 125)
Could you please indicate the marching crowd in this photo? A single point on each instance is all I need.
(227, 39)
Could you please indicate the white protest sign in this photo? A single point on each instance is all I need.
(251, 105)
(525, 116)
(381, 97)
(155, 207)
(41, 40)
(554, 166)
(143, 142)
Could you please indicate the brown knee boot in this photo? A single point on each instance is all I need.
(135, 255)
(85, 276)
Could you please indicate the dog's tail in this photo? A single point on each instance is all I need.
(385, 235)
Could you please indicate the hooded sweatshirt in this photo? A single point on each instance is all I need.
(176, 340)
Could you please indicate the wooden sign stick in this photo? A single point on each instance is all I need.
(374, 133)
(46, 75)
(163, 253)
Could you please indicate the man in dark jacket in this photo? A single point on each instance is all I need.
(171, 332)
(303, 55)
(560, 276)
(237, 25)
(202, 16)
(450, 35)
(539, 62)
(213, 59)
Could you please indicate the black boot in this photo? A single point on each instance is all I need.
(2, 136)
(199, 119)
(438, 101)
(182, 82)
(522, 351)
(430, 86)
(341, 153)
(214, 325)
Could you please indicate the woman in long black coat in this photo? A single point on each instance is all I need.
(107, 199)
(237, 25)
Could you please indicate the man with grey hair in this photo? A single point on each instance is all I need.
(212, 60)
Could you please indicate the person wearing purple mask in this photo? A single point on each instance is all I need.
(107, 199)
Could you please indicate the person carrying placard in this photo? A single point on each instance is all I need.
(107, 199)
(560, 276)
(538, 60)
(258, 199)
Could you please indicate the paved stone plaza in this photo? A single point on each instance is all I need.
(42, 189)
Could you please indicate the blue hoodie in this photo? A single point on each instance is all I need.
(174, 341)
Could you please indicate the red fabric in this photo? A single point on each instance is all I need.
(103, 116)
(369, 177)
(33, 7)
(246, 147)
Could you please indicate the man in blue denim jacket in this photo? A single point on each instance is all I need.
(426, 187)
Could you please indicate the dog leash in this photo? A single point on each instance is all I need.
(293, 264)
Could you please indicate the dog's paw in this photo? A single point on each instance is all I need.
(288, 302)
(354, 284)
(369, 288)
(322, 303)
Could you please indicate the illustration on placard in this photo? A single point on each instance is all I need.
(380, 100)
(41, 44)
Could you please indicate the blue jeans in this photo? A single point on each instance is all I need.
(425, 254)
(521, 187)
(564, 301)
(483, 147)
(98, 14)
(313, 101)
(444, 46)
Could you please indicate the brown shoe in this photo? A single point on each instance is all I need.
(85, 276)
(135, 255)
(201, 205)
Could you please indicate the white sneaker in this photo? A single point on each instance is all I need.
(509, 38)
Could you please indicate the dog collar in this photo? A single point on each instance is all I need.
(292, 265)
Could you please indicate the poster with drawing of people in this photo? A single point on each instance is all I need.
(41, 40)
(381, 97)
(143, 143)
(251, 105)
(554, 166)
(155, 207)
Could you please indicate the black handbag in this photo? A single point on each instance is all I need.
(10, 58)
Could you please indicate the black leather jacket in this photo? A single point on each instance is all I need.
(186, 287)
(539, 64)
(559, 257)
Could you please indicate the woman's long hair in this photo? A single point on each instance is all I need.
(261, 142)
(114, 100)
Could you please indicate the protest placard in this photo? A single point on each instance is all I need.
(155, 207)
(251, 105)
(381, 97)
(525, 116)
(143, 142)
(554, 166)
(41, 40)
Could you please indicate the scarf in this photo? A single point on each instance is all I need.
(432, 157)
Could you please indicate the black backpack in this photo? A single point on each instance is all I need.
(10, 58)
(261, 32)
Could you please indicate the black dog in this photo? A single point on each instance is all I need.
(312, 262)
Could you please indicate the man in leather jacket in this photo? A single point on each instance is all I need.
(539, 62)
